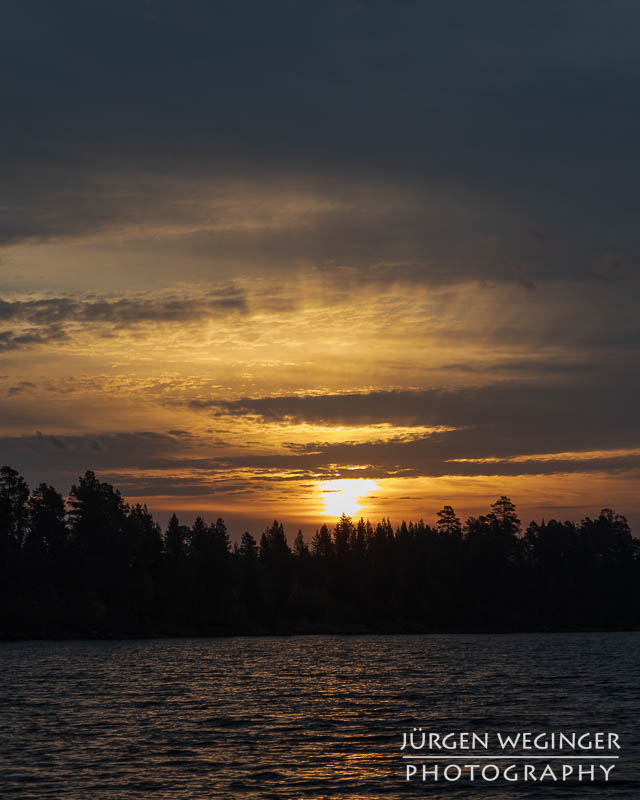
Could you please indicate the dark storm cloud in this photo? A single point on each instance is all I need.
(518, 118)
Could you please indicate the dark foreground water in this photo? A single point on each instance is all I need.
(303, 717)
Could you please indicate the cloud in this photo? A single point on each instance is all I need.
(503, 418)
(463, 142)
(126, 449)
(338, 214)
(435, 457)
(20, 340)
(52, 320)
(19, 388)
(154, 458)
(122, 311)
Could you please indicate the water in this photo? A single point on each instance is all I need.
(301, 717)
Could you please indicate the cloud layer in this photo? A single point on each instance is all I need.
(248, 247)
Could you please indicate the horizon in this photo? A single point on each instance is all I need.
(236, 526)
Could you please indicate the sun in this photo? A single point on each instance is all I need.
(344, 496)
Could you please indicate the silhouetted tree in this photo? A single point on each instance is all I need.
(98, 566)
(322, 545)
(251, 584)
(448, 524)
(98, 535)
(45, 572)
(275, 557)
(176, 540)
(176, 584)
(14, 495)
(144, 574)
(503, 516)
(47, 536)
(300, 547)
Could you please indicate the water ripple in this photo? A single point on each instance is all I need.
(302, 717)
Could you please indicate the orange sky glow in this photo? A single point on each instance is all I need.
(257, 396)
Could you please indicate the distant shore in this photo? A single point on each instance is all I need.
(93, 566)
(328, 631)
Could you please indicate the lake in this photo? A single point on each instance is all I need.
(303, 717)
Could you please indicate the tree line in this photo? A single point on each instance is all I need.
(96, 566)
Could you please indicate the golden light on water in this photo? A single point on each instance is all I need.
(345, 496)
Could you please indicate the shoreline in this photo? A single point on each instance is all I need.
(89, 636)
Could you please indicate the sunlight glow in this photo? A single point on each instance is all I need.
(344, 496)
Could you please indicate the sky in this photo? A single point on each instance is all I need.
(288, 259)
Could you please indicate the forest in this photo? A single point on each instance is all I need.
(94, 566)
